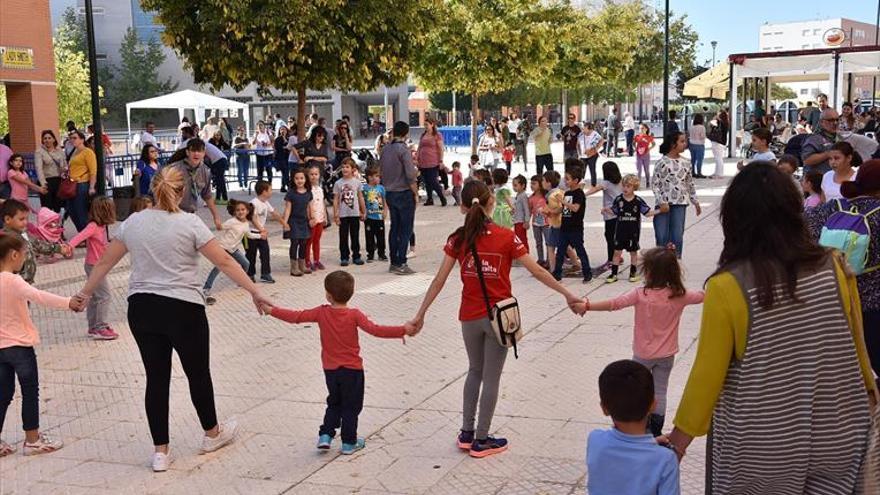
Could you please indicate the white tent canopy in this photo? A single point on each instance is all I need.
(189, 100)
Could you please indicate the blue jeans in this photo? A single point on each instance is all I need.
(432, 184)
(630, 136)
(264, 162)
(242, 164)
(575, 239)
(669, 227)
(237, 256)
(21, 361)
(78, 206)
(402, 206)
(698, 151)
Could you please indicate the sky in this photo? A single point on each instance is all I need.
(735, 24)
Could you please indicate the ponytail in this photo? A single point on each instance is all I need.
(167, 187)
(476, 194)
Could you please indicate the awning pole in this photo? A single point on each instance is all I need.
(836, 80)
(732, 110)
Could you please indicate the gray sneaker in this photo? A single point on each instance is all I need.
(404, 270)
(226, 435)
(393, 268)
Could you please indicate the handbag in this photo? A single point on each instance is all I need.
(67, 188)
(503, 316)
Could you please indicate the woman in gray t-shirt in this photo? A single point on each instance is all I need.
(610, 187)
(166, 306)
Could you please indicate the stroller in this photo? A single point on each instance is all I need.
(48, 228)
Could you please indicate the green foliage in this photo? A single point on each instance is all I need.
(71, 32)
(321, 45)
(135, 78)
(779, 92)
(480, 46)
(647, 63)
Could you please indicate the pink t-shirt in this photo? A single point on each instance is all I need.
(457, 178)
(429, 150)
(812, 201)
(19, 189)
(95, 237)
(655, 333)
(16, 327)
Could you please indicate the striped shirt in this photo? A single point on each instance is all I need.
(793, 414)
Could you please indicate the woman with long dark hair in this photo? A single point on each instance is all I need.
(282, 155)
(84, 171)
(781, 375)
(429, 159)
(496, 249)
(674, 190)
(146, 168)
(50, 163)
(315, 150)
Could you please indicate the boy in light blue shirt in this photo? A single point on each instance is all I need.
(627, 459)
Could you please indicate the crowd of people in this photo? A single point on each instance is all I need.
(766, 310)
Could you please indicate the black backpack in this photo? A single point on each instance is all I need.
(795, 145)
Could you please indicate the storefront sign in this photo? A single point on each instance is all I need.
(16, 58)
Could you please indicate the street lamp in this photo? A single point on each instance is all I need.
(714, 44)
(101, 181)
(666, 71)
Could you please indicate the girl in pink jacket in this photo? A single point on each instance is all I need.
(658, 305)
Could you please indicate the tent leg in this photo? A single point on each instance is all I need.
(731, 141)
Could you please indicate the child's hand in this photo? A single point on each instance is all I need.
(266, 307)
(364, 217)
(67, 250)
(411, 329)
(285, 226)
(78, 303)
(264, 234)
(336, 219)
(312, 223)
(607, 211)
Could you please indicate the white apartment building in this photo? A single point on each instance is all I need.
(809, 35)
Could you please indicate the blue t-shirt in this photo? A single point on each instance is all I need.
(618, 463)
(374, 197)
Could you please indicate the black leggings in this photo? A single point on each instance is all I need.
(610, 228)
(159, 325)
(590, 164)
(298, 249)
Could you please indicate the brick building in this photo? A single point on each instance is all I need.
(27, 70)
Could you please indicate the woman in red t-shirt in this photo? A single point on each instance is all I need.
(497, 247)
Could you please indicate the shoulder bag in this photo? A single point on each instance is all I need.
(67, 188)
(503, 316)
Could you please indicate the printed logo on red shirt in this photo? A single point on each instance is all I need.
(490, 263)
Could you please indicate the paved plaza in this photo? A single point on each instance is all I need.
(268, 375)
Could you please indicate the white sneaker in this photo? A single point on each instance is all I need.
(226, 435)
(43, 445)
(161, 461)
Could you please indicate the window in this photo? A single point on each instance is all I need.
(766, 33)
(817, 32)
(806, 32)
(778, 33)
(805, 47)
(804, 91)
(100, 56)
(777, 48)
(95, 10)
(144, 23)
(859, 33)
(766, 49)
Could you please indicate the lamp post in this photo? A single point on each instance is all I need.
(101, 181)
(714, 44)
(666, 70)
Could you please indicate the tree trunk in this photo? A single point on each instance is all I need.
(301, 112)
(475, 109)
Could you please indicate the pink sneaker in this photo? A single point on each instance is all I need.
(93, 332)
(105, 334)
(318, 266)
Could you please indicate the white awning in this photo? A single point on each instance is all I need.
(189, 100)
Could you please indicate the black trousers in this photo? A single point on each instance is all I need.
(50, 200)
(349, 228)
(161, 325)
(610, 228)
(218, 176)
(374, 230)
(590, 163)
(261, 245)
(542, 162)
(264, 163)
(345, 400)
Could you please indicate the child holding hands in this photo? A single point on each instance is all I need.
(18, 336)
(340, 356)
(659, 305)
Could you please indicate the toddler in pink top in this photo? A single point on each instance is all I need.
(658, 307)
(101, 214)
(18, 336)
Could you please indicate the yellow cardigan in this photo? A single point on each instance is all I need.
(723, 337)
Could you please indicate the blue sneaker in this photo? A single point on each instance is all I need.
(358, 261)
(343, 262)
(465, 439)
(351, 448)
(324, 441)
(487, 447)
(267, 279)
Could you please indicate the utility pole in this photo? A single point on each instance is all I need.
(101, 182)
(666, 71)
(714, 44)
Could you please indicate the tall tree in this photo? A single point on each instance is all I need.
(136, 77)
(647, 63)
(331, 44)
(71, 31)
(482, 46)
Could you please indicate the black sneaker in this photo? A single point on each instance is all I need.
(465, 439)
(487, 447)
(369, 259)
(343, 262)
(383, 258)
